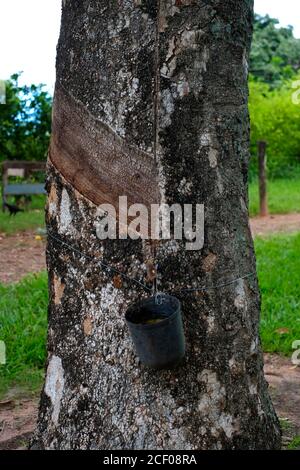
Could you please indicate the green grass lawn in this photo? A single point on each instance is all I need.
(23, 324)
(283, 196)
(278, 263)
(23, 309)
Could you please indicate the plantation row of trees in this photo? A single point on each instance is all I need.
(25, 120)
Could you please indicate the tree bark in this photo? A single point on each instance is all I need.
(151, 102)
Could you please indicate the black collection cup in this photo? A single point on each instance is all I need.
(155, 325)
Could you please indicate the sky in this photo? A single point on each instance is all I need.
(29, 32)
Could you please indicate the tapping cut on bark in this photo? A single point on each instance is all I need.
(97, 395)
(95, 160)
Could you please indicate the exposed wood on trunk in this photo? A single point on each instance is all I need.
(95, 160)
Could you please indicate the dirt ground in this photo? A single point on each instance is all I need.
(21, 254)
(275, 223)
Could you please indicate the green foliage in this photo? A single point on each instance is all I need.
(279, 278)
(275, 119)
(25, 122)
(285, 424)
(283, 196)
(23, 323)
(275, 54)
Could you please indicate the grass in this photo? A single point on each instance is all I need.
(295, 444)
(279, 276)
(291, 439)
(28, 220)
(283, 196)
(23, 323)
(31, 219)
(23, 309)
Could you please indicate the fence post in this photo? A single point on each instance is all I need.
(4, 183)
(262, 175)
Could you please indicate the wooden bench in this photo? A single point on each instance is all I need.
(22, 169)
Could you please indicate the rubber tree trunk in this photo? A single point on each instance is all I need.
(151, 102)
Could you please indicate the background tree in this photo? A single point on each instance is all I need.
(25, 122)
(151, 102)
(275, 52)
(274, 66)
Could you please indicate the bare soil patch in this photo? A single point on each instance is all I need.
(20, 254)
(275, 224)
